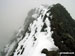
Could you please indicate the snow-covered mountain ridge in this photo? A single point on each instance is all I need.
(37, 37)
(49, 28)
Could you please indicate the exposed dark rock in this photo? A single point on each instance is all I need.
(50, 53)
(64, 28)
(43, 28)
(35, 39)
(22, 51)
(21, 47)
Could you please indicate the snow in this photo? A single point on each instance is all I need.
(51, 16)
(34, 15)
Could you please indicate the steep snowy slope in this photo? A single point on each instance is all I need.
(37, 37)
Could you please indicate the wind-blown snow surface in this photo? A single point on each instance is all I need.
(38, 35)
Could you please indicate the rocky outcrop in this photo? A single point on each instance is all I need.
(50, 53)
(63, 27)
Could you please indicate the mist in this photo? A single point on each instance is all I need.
(14, 12)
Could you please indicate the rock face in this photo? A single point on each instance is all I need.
(50, 53)
(63, 27)
(48, 30)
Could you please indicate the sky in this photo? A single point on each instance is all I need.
(14, 12)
